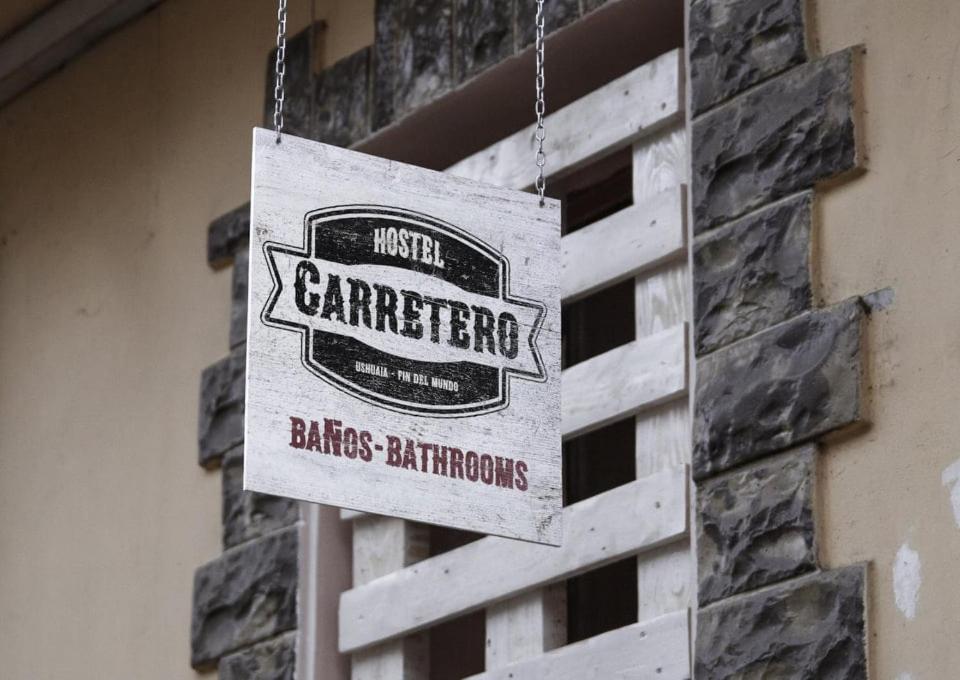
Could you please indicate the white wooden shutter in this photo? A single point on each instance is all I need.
(398, 593)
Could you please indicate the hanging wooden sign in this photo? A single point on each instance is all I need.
(403, 353)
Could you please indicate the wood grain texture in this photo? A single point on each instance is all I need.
(623, 521)
(624, 380)
(634, 105)
(296, 177)
(624, 244)
(657, 649)
(663, 437)
(526, 626)
(664, 580)
(382, 545)
(405, 659)
(663, 434)
(661, 299)
(525, 619)
(660, 163)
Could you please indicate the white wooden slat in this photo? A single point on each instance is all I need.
(404, 659)
(623, 244)
(663, 435)
(664, 579)
(607, 252)
(519, 628)
(664, 575)
(623, 521)
(657, 649)
(662, 296)
(660, 162)
(661, 299)
(382, 545)
(526, 626)
(636, 104)
(622, 381)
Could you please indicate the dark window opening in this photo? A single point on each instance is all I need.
(458, 647)
(602, 600)
(606, 598)
(598, 461)
(445, 539)
(598, 323)
(604, 320)
(598, 190)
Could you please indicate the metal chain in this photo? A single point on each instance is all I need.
(541, 107)
(280, 67)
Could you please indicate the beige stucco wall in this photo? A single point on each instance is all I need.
(899, 225)
(109, 174)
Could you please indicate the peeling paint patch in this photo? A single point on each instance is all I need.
(878, 300)
(904, 676)
(906, 580)
(951, 478)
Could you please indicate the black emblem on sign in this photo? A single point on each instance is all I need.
(404, 311)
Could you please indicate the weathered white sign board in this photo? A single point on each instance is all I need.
(403, 346)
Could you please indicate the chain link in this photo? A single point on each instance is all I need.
(281, 67)
(540, 107)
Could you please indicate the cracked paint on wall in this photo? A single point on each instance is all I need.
(951, 479)
(906, 580)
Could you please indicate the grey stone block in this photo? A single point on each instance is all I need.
(238, 301)
(755, 525)
(246, 595)
(298, 86)
(343, 100)
(221, 407)
(384, 67)
(227, 234)
(483, 35)
(248, 515)
(784, 386)
(752, 273)
(271, 660)
(556, 14)
(735, 44)
(811, 628)
(413, 56)
(775, 140)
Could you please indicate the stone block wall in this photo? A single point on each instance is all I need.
(245, 601)
(771, 126)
